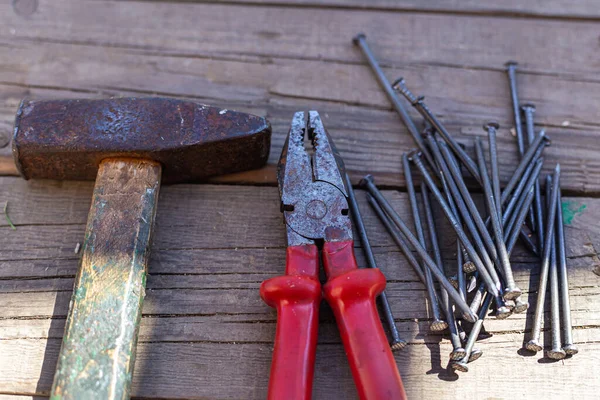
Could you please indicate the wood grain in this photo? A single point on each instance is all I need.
(512, 8)
(237, 65)
(205, 334)
(203, 319)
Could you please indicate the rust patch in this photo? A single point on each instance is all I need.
(67, 139)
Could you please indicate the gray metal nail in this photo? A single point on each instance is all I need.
(397, 342)
(567, 327)
(439, 275)
(511, 69)
(360, 40)
(419, 104)
(534, 342)
(556, 352)
(437, 324)
(511, 291)
(503, 312)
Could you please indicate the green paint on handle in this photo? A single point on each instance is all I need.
(571, 209)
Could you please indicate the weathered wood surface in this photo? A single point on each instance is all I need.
(269, 60)
(205, 333)
(512, 8)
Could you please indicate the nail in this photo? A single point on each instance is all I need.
(510, 304)
(428, 261)
(518, 202)
(397, 237)
(454, 281)
(457, 350)
(468, 265)
(528, 111)
(567, 327)
(540, 140)
(520, 219)
(520, 306)
(462, 364)
(419, 104)
(528, 242)
(472, 283)
(503, 312)
(491, 129)
(471, 216)
(537, 216)
(461, 333)
(556, 352)
(437, 324)
(461, 280)
(397, 342)
(360, 41)
(533, 170)
(477, 297)
(511, 291)
(534, 342)
(475, 355)
(510, 237)
(511, 70)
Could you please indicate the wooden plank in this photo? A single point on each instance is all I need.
(203, 319)
(349, 124)
(261, 71)
(217, 31)
(192, 306)
(228, 371)
(512, 8)
(50, 219)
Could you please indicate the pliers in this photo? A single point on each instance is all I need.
(316, 214)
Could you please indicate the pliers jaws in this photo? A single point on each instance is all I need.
(312, 188)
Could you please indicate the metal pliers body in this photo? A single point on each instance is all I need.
(315, 208)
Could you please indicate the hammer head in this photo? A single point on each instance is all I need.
(67, 139)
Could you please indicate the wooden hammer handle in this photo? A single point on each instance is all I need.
(98, 349)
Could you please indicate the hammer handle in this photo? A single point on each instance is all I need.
(98, 349)
(351, 294)
(296, 296)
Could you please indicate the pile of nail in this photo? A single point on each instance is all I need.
(481, 283)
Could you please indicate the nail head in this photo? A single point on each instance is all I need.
(356, 39)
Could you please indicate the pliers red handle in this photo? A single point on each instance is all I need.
(316, 211)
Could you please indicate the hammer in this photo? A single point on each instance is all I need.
(125, 144)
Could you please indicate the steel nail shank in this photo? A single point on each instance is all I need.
(397, 343)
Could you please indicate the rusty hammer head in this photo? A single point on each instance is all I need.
(67, 139)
